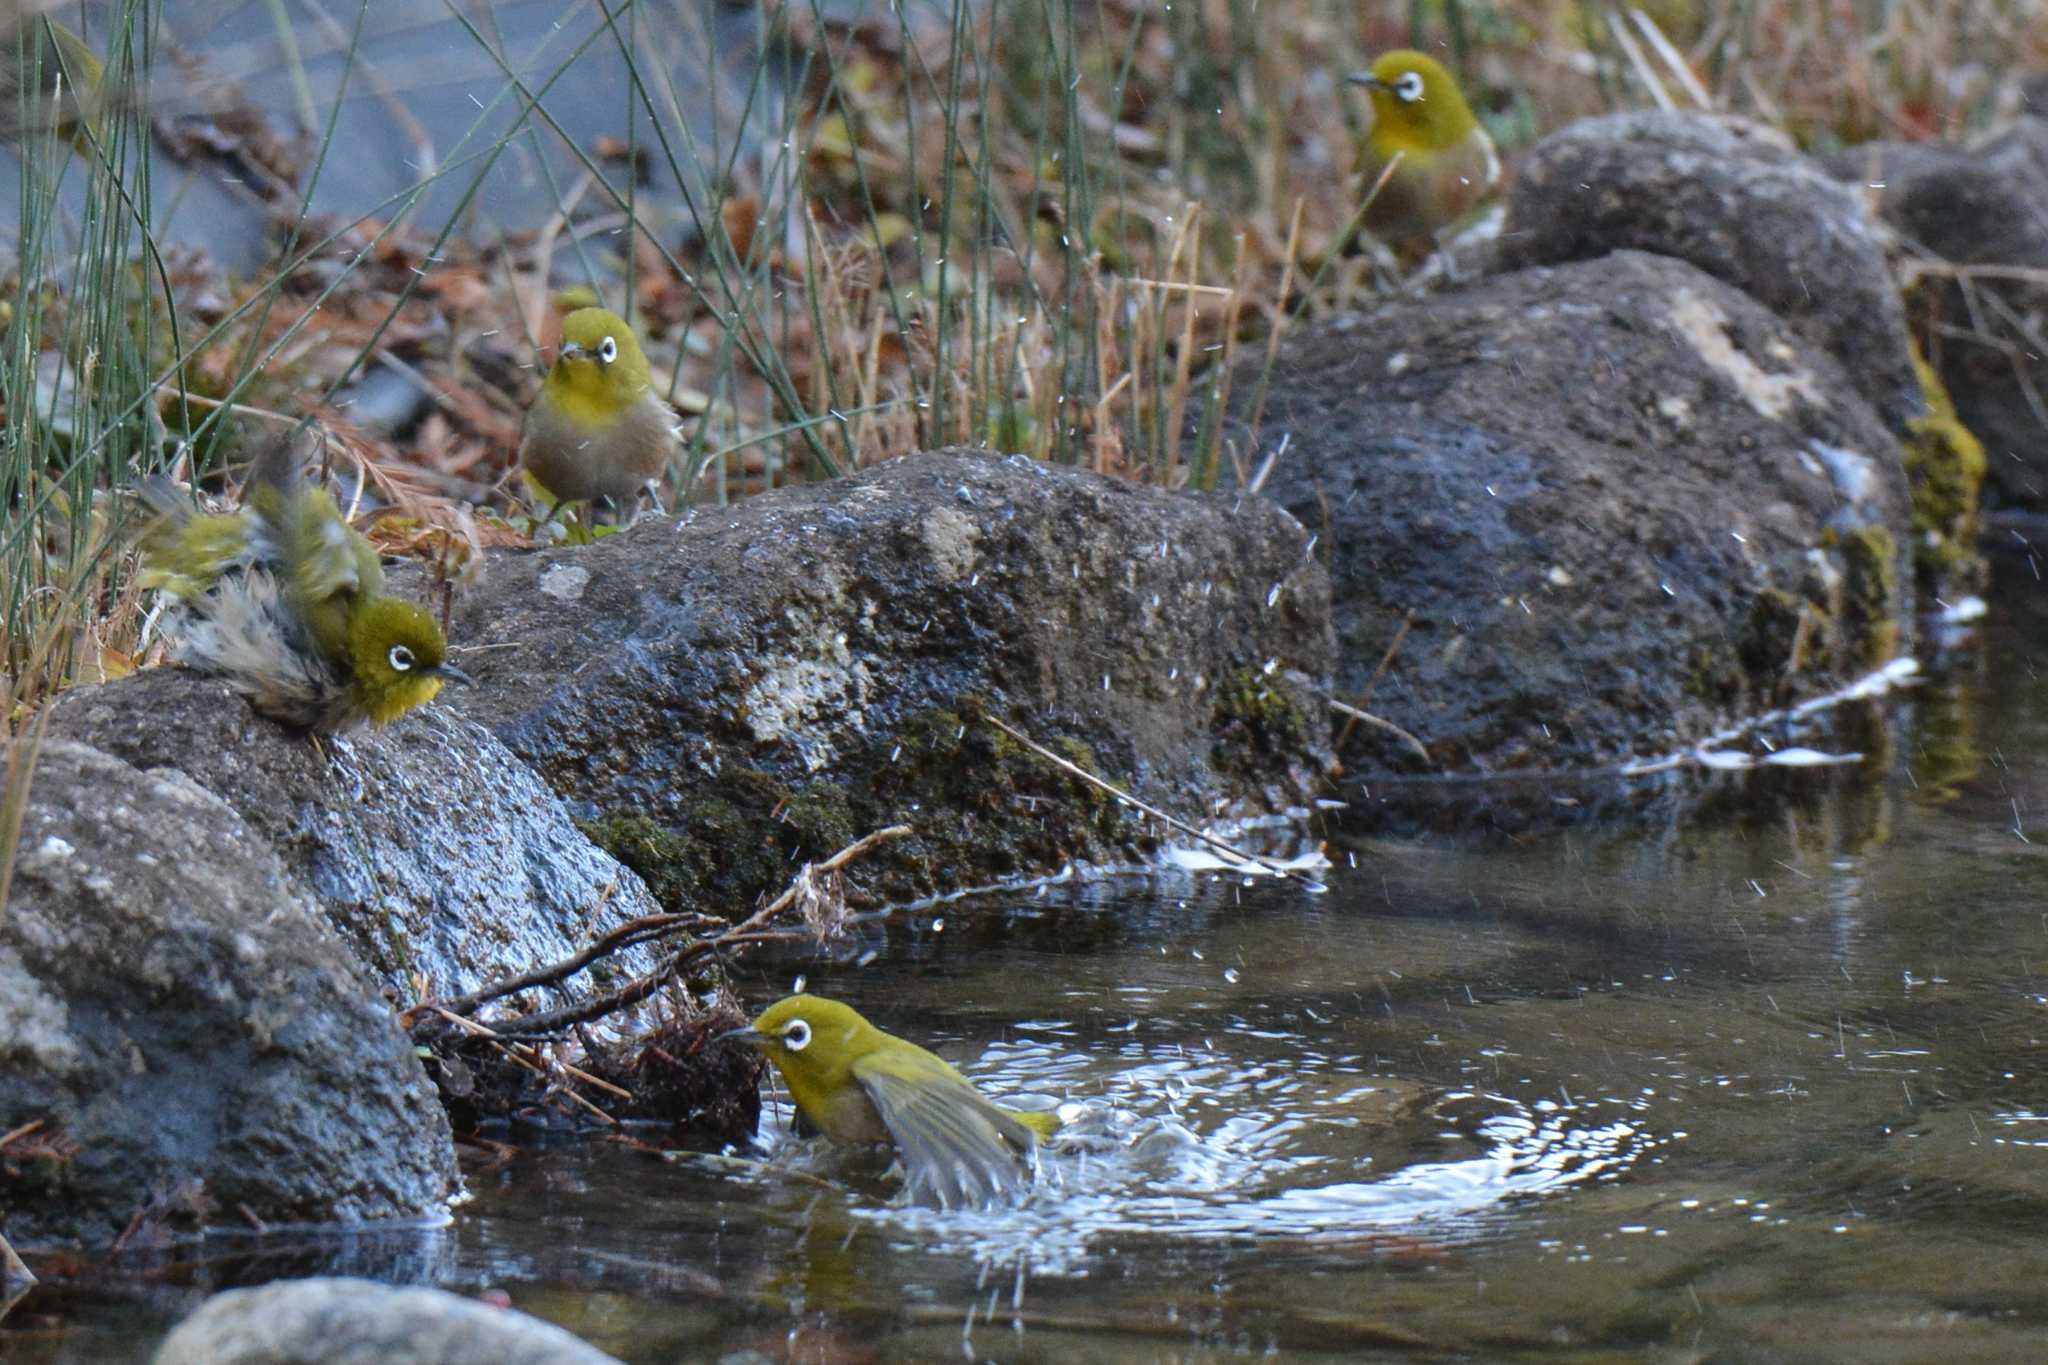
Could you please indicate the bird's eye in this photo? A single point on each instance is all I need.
(608, 350)
(1409, 87)
(797, 1036)
(401, 658)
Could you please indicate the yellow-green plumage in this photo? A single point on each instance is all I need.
(857, 1084)
(598, 429)
(286, 601)
(67, 80)
(1448, 164)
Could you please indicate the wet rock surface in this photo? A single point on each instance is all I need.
(1735, 199)
(1976, 209)
(329, 1321)
(436, 853)
(1623, 502)
(766, 682)
(196, 1044)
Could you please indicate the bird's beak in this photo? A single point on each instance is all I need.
(568, 350)
(450, 673)
(1364, 78)
(748, 1034)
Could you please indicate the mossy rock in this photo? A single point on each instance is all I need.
(1870, 595)
(952, 779)
(1945, 468)
(660, 856)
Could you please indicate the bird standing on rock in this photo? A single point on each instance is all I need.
(857, 1084)
(286, 601)
(1448, 164)
(598, 429)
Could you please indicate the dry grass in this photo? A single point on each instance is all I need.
(1006, 228)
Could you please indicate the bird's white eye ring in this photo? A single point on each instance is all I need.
(1409, 87)
(608, 350)
(797, 1036)
(401, 658)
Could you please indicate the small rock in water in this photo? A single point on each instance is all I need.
(338, 1319)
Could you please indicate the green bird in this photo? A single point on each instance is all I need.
(1448, 163)
(598, 429)
(66, 81)
(286, 601)
(857, 1084)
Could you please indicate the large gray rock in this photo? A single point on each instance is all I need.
(763, 683)
(1978, 208)
(176, 1014)
(432, 849)
(1624, 502)
(1737, 200)
(339, 1322)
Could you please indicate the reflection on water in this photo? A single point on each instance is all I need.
(1769, 1086)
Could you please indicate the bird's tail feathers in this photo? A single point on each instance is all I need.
(165, 500)
(276, 466)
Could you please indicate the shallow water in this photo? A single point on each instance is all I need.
(1767, 1089)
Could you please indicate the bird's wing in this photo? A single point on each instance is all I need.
(958, 1149)
(300, 529)
(186, 554)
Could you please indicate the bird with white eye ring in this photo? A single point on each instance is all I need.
(1448, 164)
(857, 1084)
(285, 600)
(598, 429)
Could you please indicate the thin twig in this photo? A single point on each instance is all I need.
(1640, 64)
(1917, 268)
(831, 864)
(1386, 662)
(622, 936)
(640, 987)
(1076, 770)
(746, 933)
(1355, 717)
(1674, 61)
(521, 1053)
(539, 1069)
(1182, 286)
(1258, 480)
(1282, 315)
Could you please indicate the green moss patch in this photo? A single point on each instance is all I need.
(1945, 468)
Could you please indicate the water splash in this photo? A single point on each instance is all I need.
(1192, 1143)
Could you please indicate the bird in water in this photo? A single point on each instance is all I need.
(598, 429)
(1448, 163)
(286, 601)
(857, 1084)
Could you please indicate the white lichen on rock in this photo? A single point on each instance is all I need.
(1705, 328)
